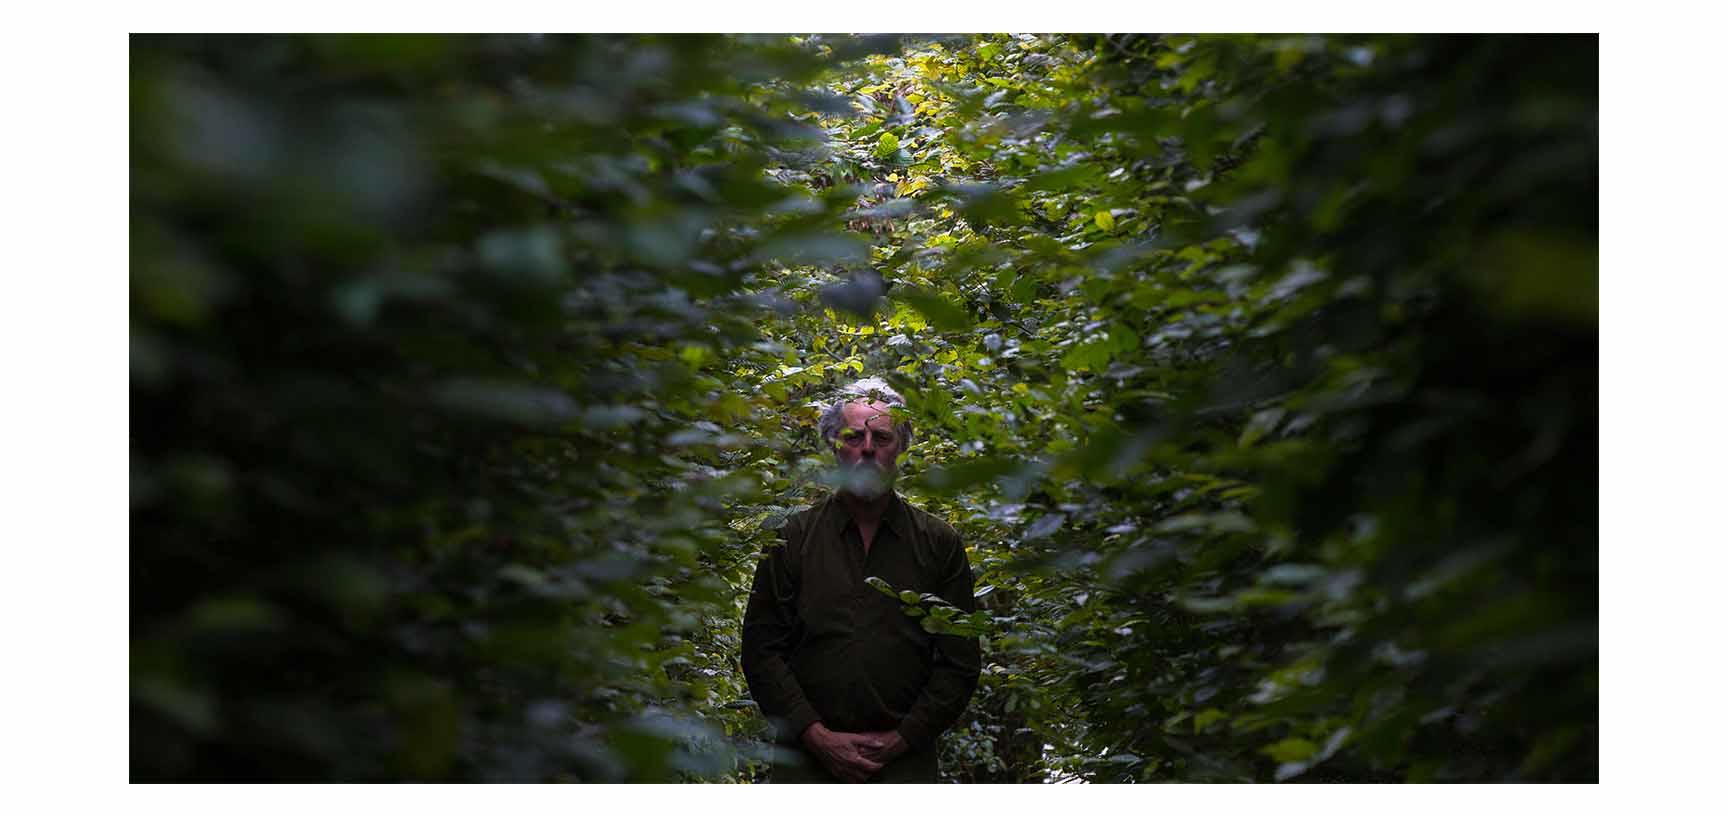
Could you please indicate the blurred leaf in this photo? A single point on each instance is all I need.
(508, 402)
(1045, 525)
(815, 249)
(1290, 750)
(962, 476)
(943, 313)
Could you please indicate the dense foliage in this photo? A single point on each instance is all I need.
(471, 374)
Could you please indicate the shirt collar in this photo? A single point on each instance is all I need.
(896, 516)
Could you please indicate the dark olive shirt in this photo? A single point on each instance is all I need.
(820, 644)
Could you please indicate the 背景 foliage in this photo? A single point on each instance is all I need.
(470, 374)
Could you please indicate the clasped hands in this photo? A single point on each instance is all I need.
(853, 757)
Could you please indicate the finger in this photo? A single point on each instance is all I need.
(867, 765)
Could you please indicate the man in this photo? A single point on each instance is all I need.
(853, 683)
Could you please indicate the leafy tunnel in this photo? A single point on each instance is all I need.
(471, 375)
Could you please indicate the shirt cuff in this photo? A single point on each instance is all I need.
(797, 720)
(914, 733)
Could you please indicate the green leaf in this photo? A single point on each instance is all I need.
(1063, 180)
(1206, 605)
(943, 314)
(1267, 597)
(815, 249)
(1122, 339)
(992, 207)
(1092, 356)
(887, 145)
(1262, 423)
(1229, 521)
(1293, 574)
(515, 403)
(1104, 220)
(1045, 525)
(1293, 749)
(962, 476)
(1207, 718)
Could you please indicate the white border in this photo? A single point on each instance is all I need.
(1660, 413)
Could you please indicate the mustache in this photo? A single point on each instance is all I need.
(867, 480)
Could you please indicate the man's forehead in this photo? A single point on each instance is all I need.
(861, 413)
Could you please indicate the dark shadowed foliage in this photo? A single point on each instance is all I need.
(471, 374)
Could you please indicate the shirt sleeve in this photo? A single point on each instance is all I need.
(955, 663)
(771, 630)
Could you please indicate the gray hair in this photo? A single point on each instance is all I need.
(869, 389)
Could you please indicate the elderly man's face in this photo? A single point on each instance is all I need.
(868, 443)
